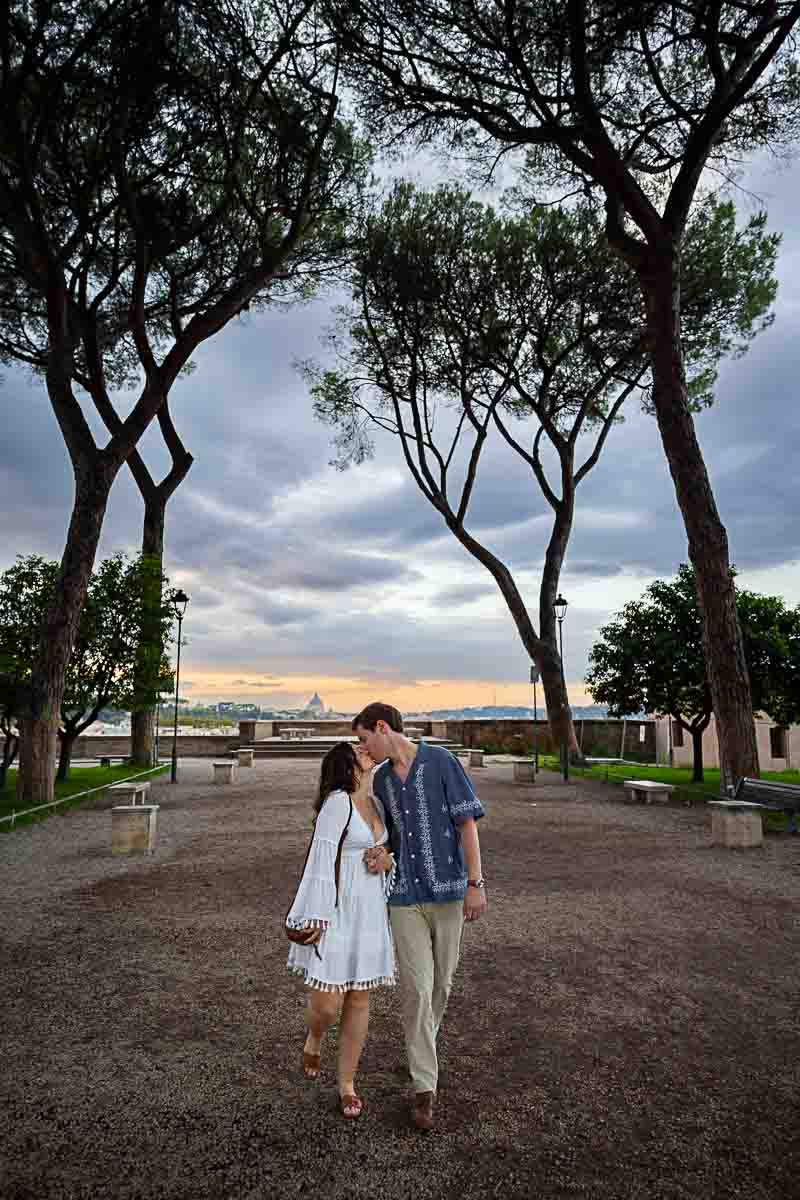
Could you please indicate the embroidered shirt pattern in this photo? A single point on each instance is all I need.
(424, 818)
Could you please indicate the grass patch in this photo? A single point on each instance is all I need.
(678, 776)
(81, 779)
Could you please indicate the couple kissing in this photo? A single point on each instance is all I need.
(395, 822)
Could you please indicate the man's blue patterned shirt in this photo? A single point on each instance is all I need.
(423, 815)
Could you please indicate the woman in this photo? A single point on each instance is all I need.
(349, 949)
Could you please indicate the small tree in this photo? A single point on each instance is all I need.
(650, 659)
(638, 103)
(104, 667)
(101, 670)
(466, 325)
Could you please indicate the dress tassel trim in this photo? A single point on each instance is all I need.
(357, 985)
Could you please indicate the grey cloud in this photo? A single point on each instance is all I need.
(462, 593)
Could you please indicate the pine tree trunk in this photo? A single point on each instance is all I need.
(697, 755)
(39, 724)
(10, 747)
(148, 657)
(66, 744)
(559, 713)
(708, 543)
(540, 651)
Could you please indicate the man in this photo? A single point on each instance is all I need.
(431, 813)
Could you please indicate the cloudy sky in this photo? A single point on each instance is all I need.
(302, 578)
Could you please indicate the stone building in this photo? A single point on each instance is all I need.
(778, 748)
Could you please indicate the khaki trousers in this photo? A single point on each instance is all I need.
(427, 940)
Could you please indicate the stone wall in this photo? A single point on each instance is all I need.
(596, 737)
(188, 746)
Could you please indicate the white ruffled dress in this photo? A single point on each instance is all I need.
(355, 950)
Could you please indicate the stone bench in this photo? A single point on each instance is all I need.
(133, 828)
(648, 790)
(476, 758)
(245, 757)
(736, 824)
(524, 770)
(131, 792)
(225, 772)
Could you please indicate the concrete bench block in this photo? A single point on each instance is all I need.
(133, 828)
(245, 757)
(225, 772)
(735, 824)
(130, 793)
(476, 758)
(524, 772)
(647, 790)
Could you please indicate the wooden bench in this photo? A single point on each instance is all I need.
(225, 772)
(648, 790)
(131, 792)
(772, 797)
(524, 770)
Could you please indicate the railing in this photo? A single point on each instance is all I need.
(13, 817)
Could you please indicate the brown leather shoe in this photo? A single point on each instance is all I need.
(422, 1113)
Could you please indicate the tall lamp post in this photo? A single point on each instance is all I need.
(560, 609)
(179, 601)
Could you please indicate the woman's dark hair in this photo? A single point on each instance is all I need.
(338, 773)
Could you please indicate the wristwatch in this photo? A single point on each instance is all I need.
(476, 883)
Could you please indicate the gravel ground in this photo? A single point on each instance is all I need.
(624, 1025)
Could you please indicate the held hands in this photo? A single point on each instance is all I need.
(377, 860)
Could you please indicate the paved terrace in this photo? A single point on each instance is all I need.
(625, 1024)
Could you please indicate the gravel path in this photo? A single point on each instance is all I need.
(624, 1025)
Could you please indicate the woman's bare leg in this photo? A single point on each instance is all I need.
(322, 1012)
(352, 1036)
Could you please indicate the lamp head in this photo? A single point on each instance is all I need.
(560, 607)
(179, 602)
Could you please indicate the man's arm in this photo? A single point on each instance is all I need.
(475, 898)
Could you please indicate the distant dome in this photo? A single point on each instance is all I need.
(316, 702)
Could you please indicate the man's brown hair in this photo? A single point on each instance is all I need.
(368, 717)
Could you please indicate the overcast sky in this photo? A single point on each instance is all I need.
(304, 579)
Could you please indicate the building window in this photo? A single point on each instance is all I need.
(777, 742)
(677, 735)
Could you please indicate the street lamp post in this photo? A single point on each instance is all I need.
(534, 681)
(560, 609)
(179, 603)
(158, 730)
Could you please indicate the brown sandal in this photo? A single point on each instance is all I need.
(311, 1064)
(355, 1102)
